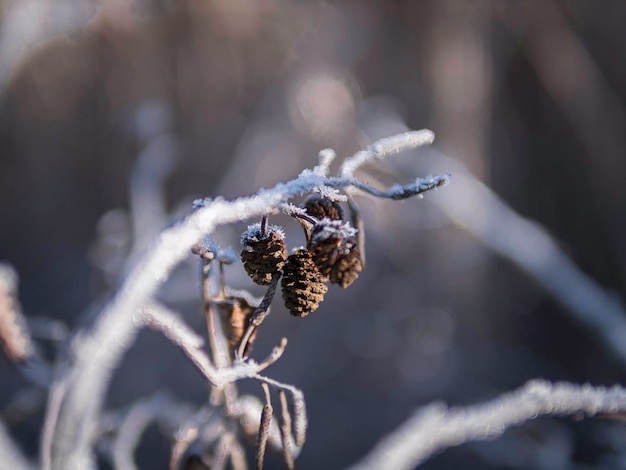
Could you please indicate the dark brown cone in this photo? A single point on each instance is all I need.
(338, 259)
(302, 284)
(263, 257)
(235, 313)
(322, 208)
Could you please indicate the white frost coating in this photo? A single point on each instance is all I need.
(385, 147)
(97, 352)
(11, 457)
(331, 194)
(421, 185)
(292, 210)
(170, 323)
(135, 422)
(328, 228)
(324, 190)
(253, 233)
(225, 255)
(436, 427)
(325, 157)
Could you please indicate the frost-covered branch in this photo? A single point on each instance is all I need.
(159, 318)
(97, 352)
(436, 427)
(386, 147)
(530, 247)
(157, 408)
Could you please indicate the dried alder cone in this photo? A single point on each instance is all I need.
(322, 208)
(264, 252)
(335, 251)
(302, 284)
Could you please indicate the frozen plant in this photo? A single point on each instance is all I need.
(214, 435)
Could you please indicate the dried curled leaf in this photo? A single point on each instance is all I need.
(235, 313)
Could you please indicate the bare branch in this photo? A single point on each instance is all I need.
(159, 318)
(133, 425)
(325, 157)
(436, 427)
(299, 406)
(264, 428)
(217, 342)
(258, 316)
(529, 246)
(285, 430)
(385, 147)
(276, 354)
(238, 456)
(56, 394)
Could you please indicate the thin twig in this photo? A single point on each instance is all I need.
(258, 316)
(299, 408)
(386, 147)
(531, 248)
(285, 430)
(134, 423)
(436, 427)
(357, 222)
(56, 394)
(221, 453)
(264, 428)
(325, 158)
(276, 354)
(249, 409)
(238, 456)
(219, 355)
(263, 226)
(396, 192)
(159, 318)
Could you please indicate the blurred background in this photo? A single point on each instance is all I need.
(115, 115)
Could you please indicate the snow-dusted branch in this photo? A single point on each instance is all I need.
(436, 427)
(157, 408)
(159, 318)
(529, 246)
(386, 147)
(97, 352)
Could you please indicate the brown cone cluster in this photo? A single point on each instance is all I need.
(302, 284)
(322, 208)
(331, 255)
(263, 255)
(336, 255)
